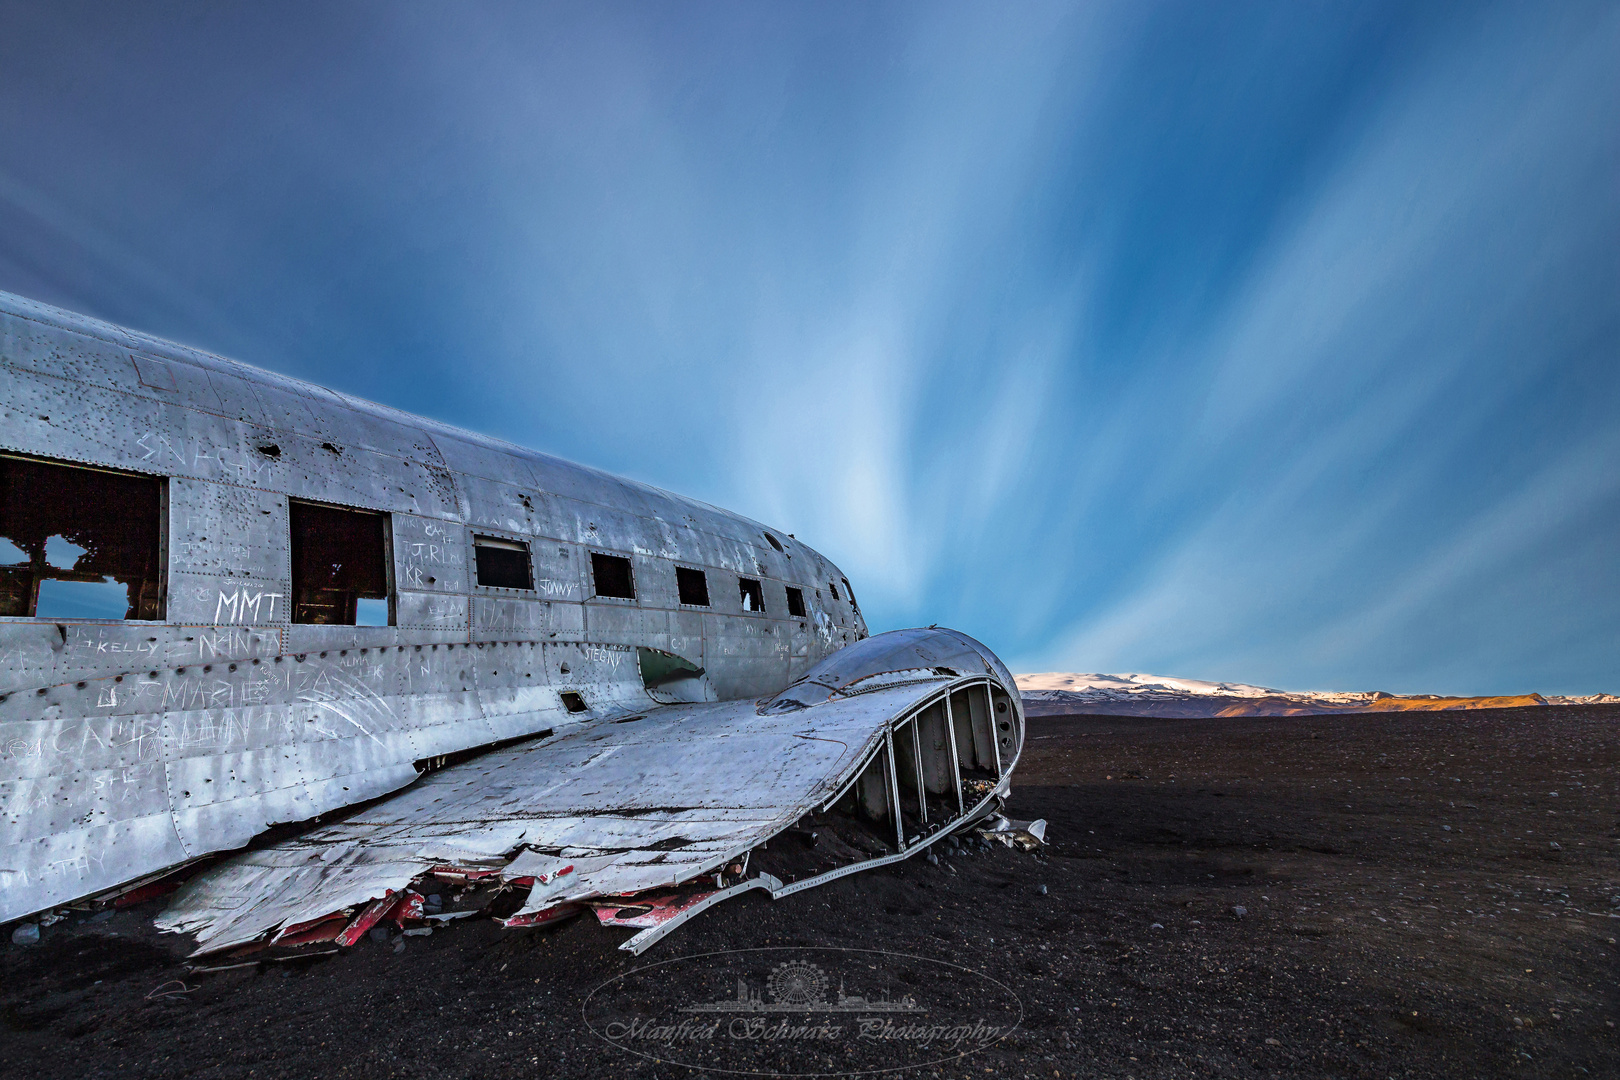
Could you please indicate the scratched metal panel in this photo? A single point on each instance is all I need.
(227, 530)
(591, 663)
(606, 528)
(430, 555)
(560, 570)
(96, 649)
(235, 601)
(746, 657)
(442, 711)
(610, 620)
(45, 743)
(289, 408)
(167, 380)
(308, 638)
(504, 508)
(363, 478)
(508, 616)
(85, 860)
(655, 582)
(384, 431)
(27, 655)
(236, 397)
(39, 807)
(56, 418)
(476, 456)
(569, 481)
(569, 622)
(64, 354)
(444, 614)
(801, 653)
(221, 644)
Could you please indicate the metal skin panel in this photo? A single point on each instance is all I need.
(127, 748)
(430, 554)
(249, 527)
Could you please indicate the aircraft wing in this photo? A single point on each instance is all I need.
(882, 750)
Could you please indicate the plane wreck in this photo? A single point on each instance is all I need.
(231, 600)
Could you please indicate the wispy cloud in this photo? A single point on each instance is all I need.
(1239, 342)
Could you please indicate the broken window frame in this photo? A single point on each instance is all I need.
(702, 582)
(491, 542)
(629, 570)
(294, 549)
(757, 594)
(151, 587)
(795, 603)
(850, 592)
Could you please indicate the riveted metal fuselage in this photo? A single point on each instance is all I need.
(129, 746)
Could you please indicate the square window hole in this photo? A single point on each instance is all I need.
(503, 564)
(572, 701)
(613, 576)
(79, 543)
(795, 602)
(752, 594)
(337, 562)
(693, 586)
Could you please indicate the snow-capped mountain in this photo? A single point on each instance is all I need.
(1162, 695)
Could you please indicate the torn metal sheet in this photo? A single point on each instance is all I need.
(1024, 835)
(686, 791)
(658, 915)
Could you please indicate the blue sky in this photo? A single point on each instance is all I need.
(1276, 343)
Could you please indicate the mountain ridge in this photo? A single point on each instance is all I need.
(1137, 694)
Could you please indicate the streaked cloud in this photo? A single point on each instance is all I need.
(1247, 342)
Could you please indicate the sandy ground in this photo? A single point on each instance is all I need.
(1423, 895)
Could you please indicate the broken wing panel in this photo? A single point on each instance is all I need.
(629, 805)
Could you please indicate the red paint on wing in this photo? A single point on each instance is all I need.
(543, 916)
(368, 917)
(325, 928)
(645, 912)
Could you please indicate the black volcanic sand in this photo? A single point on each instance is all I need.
(1375, 942)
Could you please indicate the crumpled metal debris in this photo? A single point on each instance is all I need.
(1023, 835)
(610, 814)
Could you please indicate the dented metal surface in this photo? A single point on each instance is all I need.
(132, 745)
(620, 805)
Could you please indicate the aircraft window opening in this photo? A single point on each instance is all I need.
(613, 576)
(503, 564)
(775, 543)
(572, 701)
(833, 589)
(795, 602)
(853, 605)
(752, 594)
(339, 565)
(693, 586)
(79, 543)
